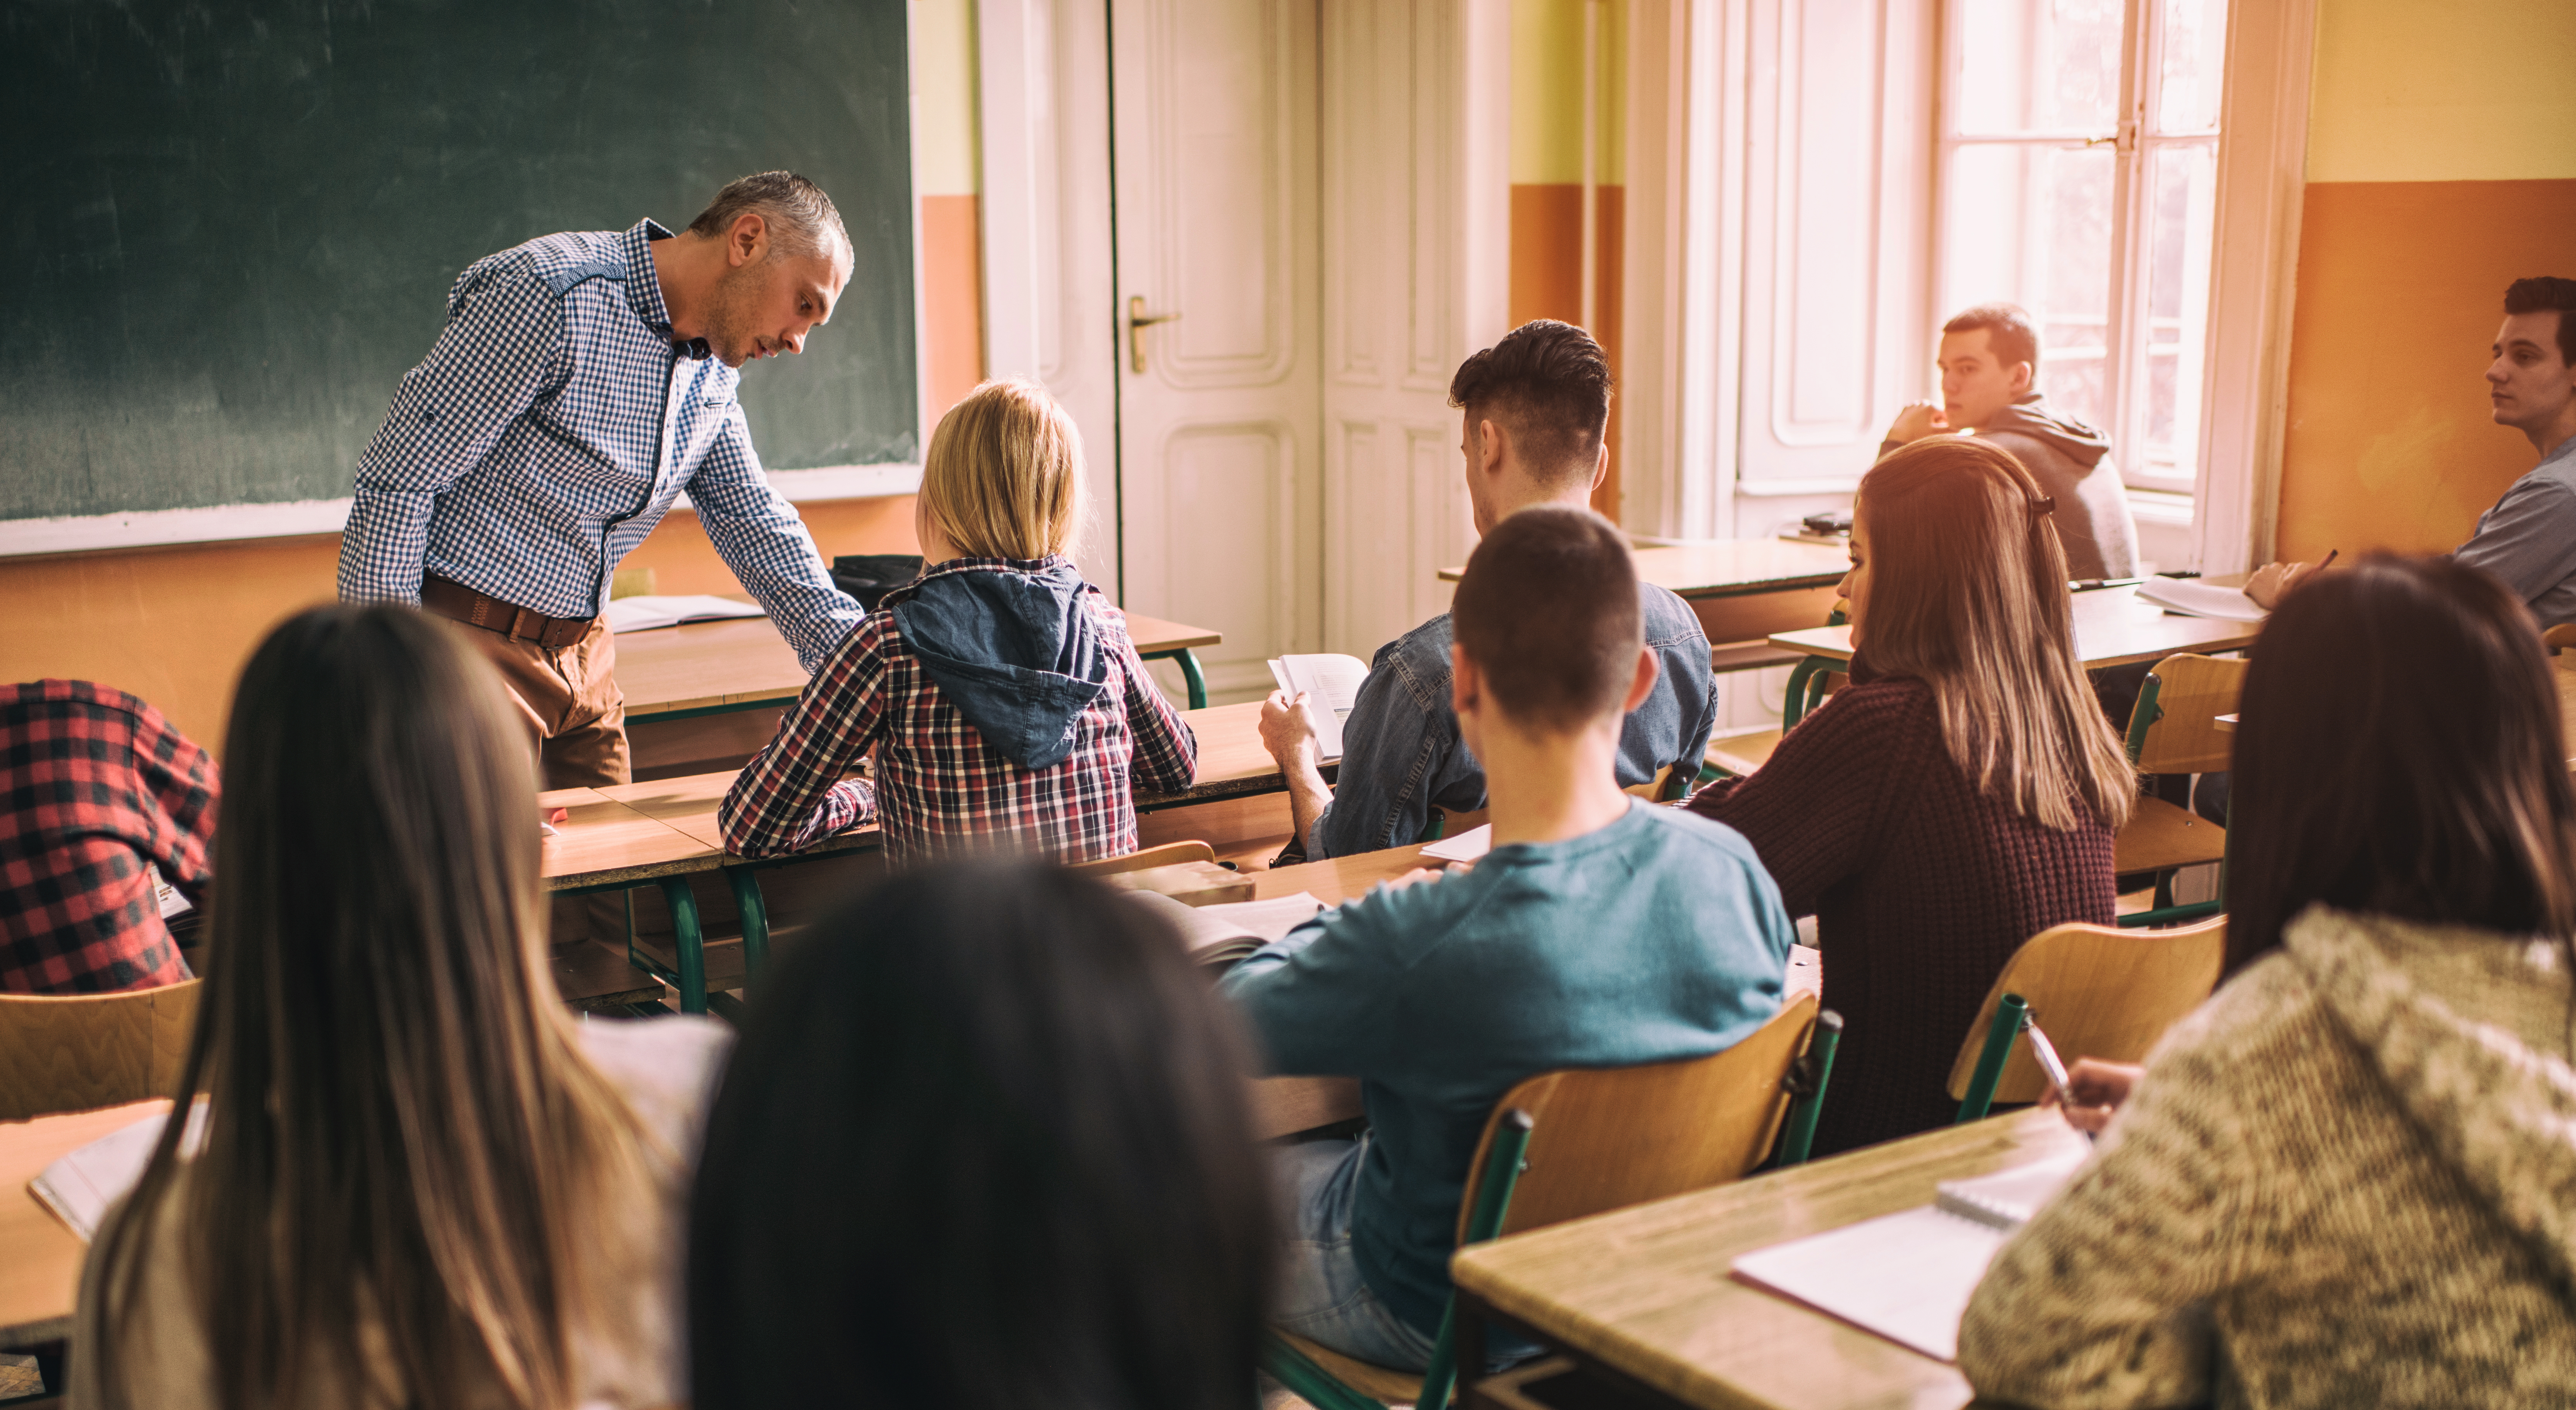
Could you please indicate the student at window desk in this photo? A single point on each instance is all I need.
(1600, 931)
(999, 691)
(2345, 1180)
(420, 1182)
(1958, 797)
(1534, 407)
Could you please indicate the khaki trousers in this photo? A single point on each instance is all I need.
(576, 718)
(569, 698)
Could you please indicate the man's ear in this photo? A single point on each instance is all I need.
(748, 240)
(2023, 375)
(1601, 462)
(1490, 447)
(1644, 685)
(1466, 683)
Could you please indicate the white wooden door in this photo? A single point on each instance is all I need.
(1213, 123)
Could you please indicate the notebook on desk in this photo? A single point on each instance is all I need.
(1908, 1276)
(644, 614)
(1332, 681)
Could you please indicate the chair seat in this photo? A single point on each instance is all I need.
(2161, 836)
(1741, 754)
(1376, 1382)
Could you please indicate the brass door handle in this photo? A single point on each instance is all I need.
(1137, 321)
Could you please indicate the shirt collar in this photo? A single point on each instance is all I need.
(644, 285)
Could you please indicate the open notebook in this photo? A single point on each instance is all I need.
(1334, 683)
(80, 1185)
(2199, 599)
(1222, 934)
(643, 614)
(1908, 1276)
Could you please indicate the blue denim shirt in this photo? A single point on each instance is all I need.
(1401, 753)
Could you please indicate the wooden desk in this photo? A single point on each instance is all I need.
(40, 1259)
(604, 844)
(1645, 1294)
(1232, 761)
(2112, 628)
(706, 668)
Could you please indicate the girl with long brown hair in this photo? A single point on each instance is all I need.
(419, 1182)
(1959, 797)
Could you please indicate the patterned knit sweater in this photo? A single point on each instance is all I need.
(1921, 885)
(2348, 1179)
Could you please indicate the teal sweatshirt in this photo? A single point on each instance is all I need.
(1657, 937)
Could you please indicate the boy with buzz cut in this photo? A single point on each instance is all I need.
(1600, 931)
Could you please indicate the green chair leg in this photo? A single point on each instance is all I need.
(690, 940)
(755, 919)
(1808, 1081)
(2012, 1015)
(1793, 706)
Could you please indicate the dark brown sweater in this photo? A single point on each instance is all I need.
(1921, 887)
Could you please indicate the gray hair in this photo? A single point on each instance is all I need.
(801, 219)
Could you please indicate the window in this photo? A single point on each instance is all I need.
(2078, 178)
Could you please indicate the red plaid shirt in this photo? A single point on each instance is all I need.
(939, 787)
(97, 785)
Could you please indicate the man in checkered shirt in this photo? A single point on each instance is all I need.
(583, 382)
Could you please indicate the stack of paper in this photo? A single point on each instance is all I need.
(2197, 599)
(643, 614)
(1465, 847)
(1908, 1276)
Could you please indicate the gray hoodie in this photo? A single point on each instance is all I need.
(2348, 1179)
(2072, 463)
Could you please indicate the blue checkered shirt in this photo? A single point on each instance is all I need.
(551, 427)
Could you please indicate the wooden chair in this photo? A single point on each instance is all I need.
(1587, 1140)
(1167, 855)
(2175, 730)
(79, 1052)
(2096, 990)
(1739, 755)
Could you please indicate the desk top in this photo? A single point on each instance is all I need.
(604, 840)
(2112, 628)
(1339, 879)
(1733, 567)
(687, 805)
(743, 662)
(1647, 1292)
(40, 1259)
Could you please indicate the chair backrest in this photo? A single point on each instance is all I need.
(1607, 1138)
(77, 1052)
(1167, 855)
(2559, 638)
(2176, 729)
(2097, 991)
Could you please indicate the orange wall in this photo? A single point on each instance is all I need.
(1547, 279)
(2401, 286)
(952, 284)
(174, 625)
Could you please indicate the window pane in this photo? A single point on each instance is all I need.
(2038, 66)
(2194, 33)
(2182, 189)
(2032, 226)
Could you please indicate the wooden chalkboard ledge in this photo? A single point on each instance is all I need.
(21, 538)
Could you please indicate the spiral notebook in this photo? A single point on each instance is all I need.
(1908, 1276)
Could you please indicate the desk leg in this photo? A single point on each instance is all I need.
(1793, 706)
(690, 941)
(1189, 671)
(755, 919)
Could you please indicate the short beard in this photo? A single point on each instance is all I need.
(732, 309)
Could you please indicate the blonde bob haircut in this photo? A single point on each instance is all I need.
(1967, 593)
(1004, 476)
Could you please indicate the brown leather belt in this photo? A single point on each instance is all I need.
(457, 602)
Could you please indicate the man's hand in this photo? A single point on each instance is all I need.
(2098, 1088)
(1917, 420)
(2273, 581)
(1287, 727)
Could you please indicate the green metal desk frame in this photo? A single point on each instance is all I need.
(1189, 671)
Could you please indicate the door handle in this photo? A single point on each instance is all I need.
(1138, 320)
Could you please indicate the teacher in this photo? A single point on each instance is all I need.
(583, 382)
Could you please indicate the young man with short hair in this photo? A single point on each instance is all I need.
(1989, 369)
(1600, 931)
(1534, 409)
(2528, 540)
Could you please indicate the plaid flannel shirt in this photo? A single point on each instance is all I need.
(98, 784)
(939, 787)
(551, 427)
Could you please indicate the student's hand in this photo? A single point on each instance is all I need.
(2098, 1088)
(2273, 581)
(1917, 420)
(1287, 726)
(1413, 877)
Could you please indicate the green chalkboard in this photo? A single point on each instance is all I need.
(231, 227)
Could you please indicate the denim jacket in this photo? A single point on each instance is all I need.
(1401, 753)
